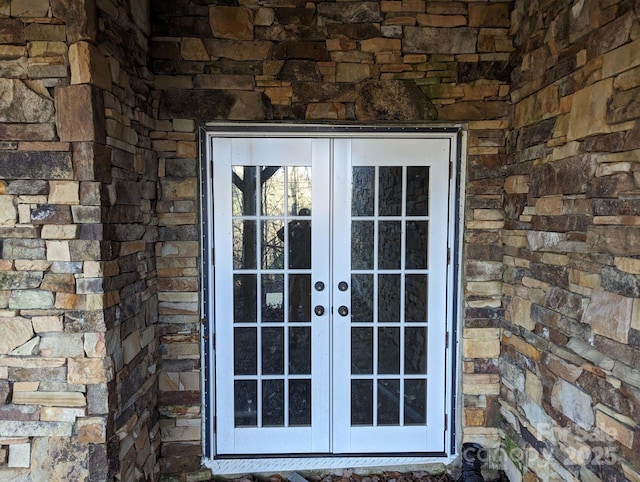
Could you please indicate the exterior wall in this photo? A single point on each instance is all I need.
(286, 60)
(78, 307)
(570, 396)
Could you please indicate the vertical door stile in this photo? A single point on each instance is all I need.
(221, 151)
(321, 272)
(341, 264)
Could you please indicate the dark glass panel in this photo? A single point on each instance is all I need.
(362, 191)
(272, 403)
(300, 297)
(417, 191)
(361, 351)
(415, 350)
(389, 297)
(390, 191)
(362, 297)
(388, 402)
(244, 298)
(272, 351)
(245, 351)
(244, 244)
(415, 402)
(300, 350)
(299, 402)
(417, 244)
(388, 350)
(389, 244)
(361, 402)
(362, 245)
(245, 397)
(415, 297)
(300, 244)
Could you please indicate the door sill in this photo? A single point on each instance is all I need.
(326, 464)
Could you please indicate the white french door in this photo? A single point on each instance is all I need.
(330, 294)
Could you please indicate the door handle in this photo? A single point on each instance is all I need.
(343, 286)
(343, 311)
(319, 310)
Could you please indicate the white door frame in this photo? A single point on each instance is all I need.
(221, 465)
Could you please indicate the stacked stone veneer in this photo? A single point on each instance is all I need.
(368, 62)
(571, 349)
(99, 212)
(78, 350)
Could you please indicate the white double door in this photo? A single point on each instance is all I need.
(330, 294)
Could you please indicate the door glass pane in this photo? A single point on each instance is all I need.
(361, 402)
(361, 351)
(389, 297)
(415, 297)
(272, 403)
(299, 402)
(272, 351)
(299, 190)
(362, 245)
(389, 350)
(272, 244)
(245, 351)
(390, 191)
(300, 242)
(299, 297)
(362, 191)
(388, 402)
(415, 402)
(244, 244)
(415, 350)
(272, 297)
(389, 244)
(244, 298)
(243, 191)
(361, 297)
(246, 403)
(417, 191)
(416, 245)
(300, 350)
(273, 194)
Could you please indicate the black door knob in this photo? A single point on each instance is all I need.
(343, 310)
(319, 310)
(319, 286)
(343, 286)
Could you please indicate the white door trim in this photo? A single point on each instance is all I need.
(267, 464)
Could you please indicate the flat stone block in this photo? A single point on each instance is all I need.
(35, 165)
(31, 300)
(588, 114)
(80, 114)
(19, 455)
(435, 40)
(10, 428)
(88, 66)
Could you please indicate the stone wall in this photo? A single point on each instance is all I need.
(570, 395)
(78, 307)
(291, 60)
